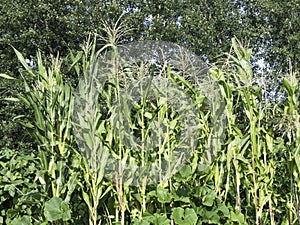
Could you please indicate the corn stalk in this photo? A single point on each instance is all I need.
(52, 102)
(291, 119)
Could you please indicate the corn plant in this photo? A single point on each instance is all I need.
(52, 103)
(248, 160)
(291, 123)
(89, 130)
(94, 131)
(128, 122)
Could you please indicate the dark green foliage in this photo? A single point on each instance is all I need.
(255, 176)
(20, 190)
(205, 27)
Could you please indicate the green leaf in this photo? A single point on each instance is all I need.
(160, 220)
(246, 66)
(28, 125)
(180, 198)
(148, 115)
(23, 61)
(11, 99)
(56, 209)
(23, 99)
(203, 169)
(72, 183)
(186, 216)
(24, 220)
(237, 216)
(224, 210)
(211, 217)
(135, 221)
(10, 188)
(297, 158)
(163, 195)
(185, 171)
(7, 76)
(209, 198)
(155, 219)
(87, 200)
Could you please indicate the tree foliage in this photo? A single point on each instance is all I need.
(205, 27)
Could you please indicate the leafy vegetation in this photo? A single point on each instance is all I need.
(204, 27)
(254, 178)
(73, 153)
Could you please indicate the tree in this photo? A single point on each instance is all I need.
(205, 27)
(51, 26)
(271, 28)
